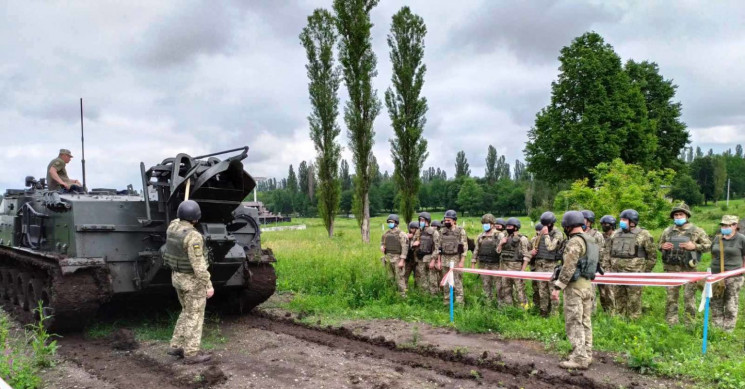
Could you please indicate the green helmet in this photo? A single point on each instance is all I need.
(488, 218)
(681, 207)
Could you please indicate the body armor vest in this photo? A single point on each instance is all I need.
(175, 255)
(543, 252)
(587, 266)
(488, 249)
(511, 249)
(624, 245)
(451, 241)
(677, 255)
(426, 241)
(392, 244)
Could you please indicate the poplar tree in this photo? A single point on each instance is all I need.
(461, 165)
(491, 165)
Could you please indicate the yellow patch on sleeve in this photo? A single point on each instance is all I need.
(196, 247)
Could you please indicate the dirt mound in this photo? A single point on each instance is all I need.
(123, 339)
(213, 376)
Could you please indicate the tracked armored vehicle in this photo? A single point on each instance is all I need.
(76, 251)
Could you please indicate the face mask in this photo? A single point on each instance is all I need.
(487, 226)
(448, 224)
(421, 225)
(391, 225)
(624, 225)
(726, 231)
(679, 222)
(510, 231)
(607, 227)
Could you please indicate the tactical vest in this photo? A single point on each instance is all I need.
(623, 245)
(451, 241)
(175, 255)
(679, 256)
(392, 244)
(543, 252)
(587, 266)
(488, 249)
(511, 249)
(426, 241)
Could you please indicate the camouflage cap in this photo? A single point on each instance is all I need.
(728, 220)
(681, 207)
(65, 151)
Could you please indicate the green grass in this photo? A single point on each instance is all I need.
(339, 278)
(24, 353)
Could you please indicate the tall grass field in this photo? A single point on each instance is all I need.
(340, 278)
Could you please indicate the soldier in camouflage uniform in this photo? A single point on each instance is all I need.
(453, 244)
(184, 254)
(534, 246)
(607, 301)
(513, 255)
(57, 174)
(395, 246)
(579, 264)
(682, 245)
(599, 241)
(485, 253)
(410, 265)
(426, 242)
(725, 302)
(546, 258)
(632, 250)
(499, 224)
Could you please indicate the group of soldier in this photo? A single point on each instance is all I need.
(575, 255)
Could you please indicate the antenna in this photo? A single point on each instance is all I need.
(82, 141)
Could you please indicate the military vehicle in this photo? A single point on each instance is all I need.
(76, 251)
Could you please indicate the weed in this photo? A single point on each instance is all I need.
(415, 336)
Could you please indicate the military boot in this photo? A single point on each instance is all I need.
(200, 357)
(570, 364)
(176, 352)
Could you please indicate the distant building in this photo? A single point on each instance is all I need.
(266, 217)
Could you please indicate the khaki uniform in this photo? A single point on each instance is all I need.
(600, 241)
(724, 306)
(534, 284)
(513, 255)
(488, 262)
(703, 244)
(59, 165)
(578, 299)
(410, 264)
(396, 245)
(631, 252)
(607, 300)
(191, 282)
(430, 278)
(545, 261)
(453, 244)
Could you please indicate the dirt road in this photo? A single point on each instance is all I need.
(270, 350)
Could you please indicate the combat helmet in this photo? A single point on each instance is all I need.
(547, 218)
(572, 219)
(414, 224)
(189, 210)
(515, 222)
(393, 217)
(426, 216)
(630, 214)
(589, 215)
(451, 214)
(681, 207)
(538, 227)
(488, 218)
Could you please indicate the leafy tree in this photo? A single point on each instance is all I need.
(503, 168)
(292, 180)
(685, 188)
(699, 153)
(302, 173)
(319, 38)
(461, 165)
(738, 151)
(346, 179)
(520, 172)
(702, 170)
(619, 186)
(406, 106)
(491, 165)
(345, 205)
(720, 176)
(595, 115)
(470, 196)
(358, 64)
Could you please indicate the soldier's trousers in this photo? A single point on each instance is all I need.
(724, 308)
(187, 333)
(607, 300)
(433, 276)
(578, 321)
(421, 275)
(397, 273)
(409, 267)
(509, 284)
(628, 298)
(491, 284)
(544, 288)
(673, 295)
(458, 281)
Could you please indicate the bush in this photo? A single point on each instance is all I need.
(685, 188)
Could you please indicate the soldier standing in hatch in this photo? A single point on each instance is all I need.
(607, 301)
(410, 265)
(546, 258)
(57, 173)
(579, 264)
(682, 245)
(453, 243)
(184, 254)
(513, 255)
(485, 253)
(426, 242)
(632, 250)
(395, 246)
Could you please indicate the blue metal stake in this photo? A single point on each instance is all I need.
(451, 303)
(707, 290)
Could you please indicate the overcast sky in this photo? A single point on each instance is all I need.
(159, 78)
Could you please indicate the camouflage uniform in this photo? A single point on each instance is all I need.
(600, 241)
(514, 255)
(630, 252)
(534, 284)
(191, 280)
(488, 262)
(607, 300)
(59, 165)
(410, 264)
(545, 261)
(724, 306)
(578, 299)
(429, 279)
(676, 260)
(396, 246)
(453, 244)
